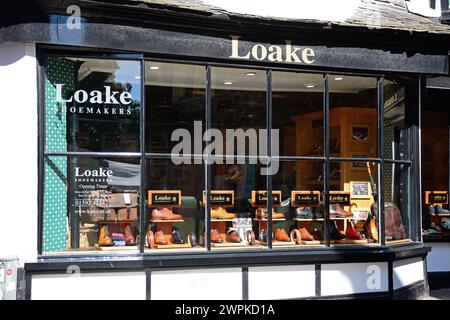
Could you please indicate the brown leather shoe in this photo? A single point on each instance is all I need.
(262, 214)
(281, 235)
(215, 236)
(128, 236)
(306, 236)
(159, 238)
(233, 236)
(104, 240)
(165, 214)
(336, 211)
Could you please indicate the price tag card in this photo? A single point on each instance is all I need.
(436, 197)
(224, 198)
(259, 198)
(167, 198)
(340, 197)
(305, 198)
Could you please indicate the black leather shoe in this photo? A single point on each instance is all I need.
(335, 234)
(176, 236)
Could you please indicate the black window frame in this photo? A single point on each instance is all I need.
(414, 164)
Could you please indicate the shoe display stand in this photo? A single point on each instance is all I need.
(220, 200)
(352, 134)
(259, 202)
(170, 199)
(310, 200)
(435, 201)
(121, 224)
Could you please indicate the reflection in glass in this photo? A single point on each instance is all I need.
(395, 130)
(353, 116)
(397, 202)
(175, 99)
(91, 204)
(297, 102)
(92, 105)
(173, 225)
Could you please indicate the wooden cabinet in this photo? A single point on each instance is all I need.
(352, 134)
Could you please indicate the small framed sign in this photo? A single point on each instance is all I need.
(436, 197)
(259, 198)
(360, 134)
(224, 198)
(360, 189)
(166, 198)
(340, 197)
(305, 198)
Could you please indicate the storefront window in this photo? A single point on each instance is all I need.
(398, 210)
(91, 204)
(175, 101)
(297, 102)
(92, 105)
(103, 193)
(175, 219)
(353, 184)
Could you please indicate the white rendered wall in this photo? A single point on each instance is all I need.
(94, 286)
(353, 278)
(199, 284)
(18, 145)
(407, 272)
(438, 260)
(281, 282)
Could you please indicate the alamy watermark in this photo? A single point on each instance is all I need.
(231, 146)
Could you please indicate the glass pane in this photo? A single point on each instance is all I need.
(301, 185)
(91, 205)
(397, 203)
(175, 102)
(395, 130)
(240, 223)
(353, 116)
(353, 203)
(238, 108)
(175, 219)
(92, 105)
(297, 102)
(435, 165)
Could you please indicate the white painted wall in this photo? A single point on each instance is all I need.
(18, 145)
(407, 272)
(422, 7)
(351, 278)
(199, 284)
(95, 286)
(281, 282)
(438, 260)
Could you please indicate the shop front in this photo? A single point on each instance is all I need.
(233, 164)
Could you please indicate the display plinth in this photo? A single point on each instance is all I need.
(311, 243)
(166, 221)
(116, 248)
(226, 244)
(172, 246)
(351, 241)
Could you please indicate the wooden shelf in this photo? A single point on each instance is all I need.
(226, 244)
(278, 219)
(166, 221)
(223, 220)
(172, 246)
(115, 221)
